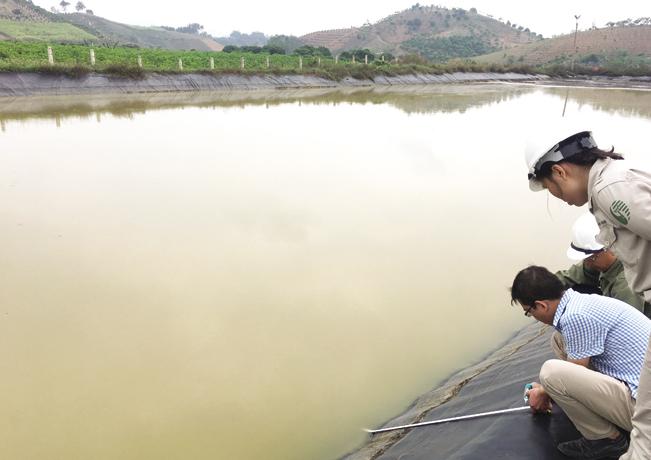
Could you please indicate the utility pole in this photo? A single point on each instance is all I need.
(576, 31)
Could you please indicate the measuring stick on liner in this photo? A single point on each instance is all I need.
(454, 419)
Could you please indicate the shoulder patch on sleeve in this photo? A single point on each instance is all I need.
(620, 211)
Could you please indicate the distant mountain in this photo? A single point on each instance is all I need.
(435, 32)
(607, 42)
(30, 22)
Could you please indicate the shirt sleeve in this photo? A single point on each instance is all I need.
(628, 203)
(578, 274)
(585, 337)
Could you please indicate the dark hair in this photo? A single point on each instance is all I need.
(535, 283)
(585, 158)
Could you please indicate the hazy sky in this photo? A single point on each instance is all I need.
(294, 17)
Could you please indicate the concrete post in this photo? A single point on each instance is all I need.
(366, 59)
(267, 61)
(212, 63)
(92, 57)
(242, 62)
(180, 64)
(49, 55)
(383, 57)
(353, 58)
(140, 62)
(319, 62)
(300, 62)
(337, 59)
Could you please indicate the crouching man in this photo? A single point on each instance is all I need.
(596, 384)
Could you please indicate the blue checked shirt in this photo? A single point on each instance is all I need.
(611, 333)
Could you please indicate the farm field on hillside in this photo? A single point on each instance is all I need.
(24, 30)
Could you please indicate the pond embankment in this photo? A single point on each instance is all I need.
(495, 383)
(34, 84)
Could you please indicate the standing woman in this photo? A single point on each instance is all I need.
(568, 163)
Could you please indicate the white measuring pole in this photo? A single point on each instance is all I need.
(453, 419)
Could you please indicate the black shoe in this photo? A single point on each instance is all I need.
(598, 448)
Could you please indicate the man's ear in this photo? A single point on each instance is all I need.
(542, 304)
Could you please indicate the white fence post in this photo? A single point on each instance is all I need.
(212, 63)
(337, 59)
(92, 57)
(242, 61)
(180, 64)
(300, 62)
(49, 55)
(139, 61)
(353, 58)
(319, 62)
(267, 61)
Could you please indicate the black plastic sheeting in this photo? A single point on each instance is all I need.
(517, 435)
(32, 84)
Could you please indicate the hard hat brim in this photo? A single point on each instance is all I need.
(535, 185)
(576, 255)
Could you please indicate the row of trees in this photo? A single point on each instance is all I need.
(64, 6)
(361, 54)
(309, 50)
(629, 22)
(254, 49)
(442, 49)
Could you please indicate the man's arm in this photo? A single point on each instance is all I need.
(578, 273)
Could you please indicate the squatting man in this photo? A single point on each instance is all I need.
(595, 380)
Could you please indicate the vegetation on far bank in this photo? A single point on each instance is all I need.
(74, 61)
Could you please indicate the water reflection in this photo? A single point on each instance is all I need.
(411, 99)
(239, 278)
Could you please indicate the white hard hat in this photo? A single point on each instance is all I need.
(584, 243)
(554, 143)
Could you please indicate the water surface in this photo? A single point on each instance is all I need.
(259, 275)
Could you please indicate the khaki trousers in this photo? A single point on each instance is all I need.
(641, 435)
(593, 401)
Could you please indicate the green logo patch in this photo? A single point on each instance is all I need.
(620, 211)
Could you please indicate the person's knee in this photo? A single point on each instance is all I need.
(551, 374)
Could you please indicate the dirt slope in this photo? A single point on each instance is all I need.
(635, 40)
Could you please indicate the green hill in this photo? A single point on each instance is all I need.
(22, 20)
(435, 32)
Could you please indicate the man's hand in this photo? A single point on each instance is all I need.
(539, 400)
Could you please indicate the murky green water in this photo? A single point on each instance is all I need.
(259, 275)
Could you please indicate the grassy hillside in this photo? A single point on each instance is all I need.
(416, 30)
(26, 21)
(608, 43)
(145, 37)
(43, 31)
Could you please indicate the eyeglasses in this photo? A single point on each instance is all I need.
(594, 256)
(528, 312)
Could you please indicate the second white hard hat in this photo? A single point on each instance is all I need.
(584, 233)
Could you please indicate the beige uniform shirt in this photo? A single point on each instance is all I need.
(619, 194)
